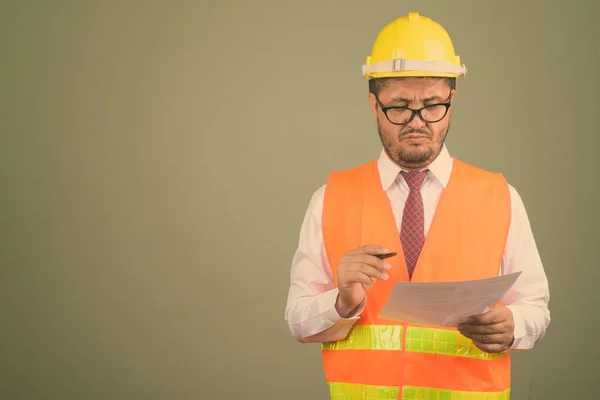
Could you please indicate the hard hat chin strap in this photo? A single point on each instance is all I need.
(400, 64)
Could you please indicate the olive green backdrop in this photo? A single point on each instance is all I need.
(157, 158)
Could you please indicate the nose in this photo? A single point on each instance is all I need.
(416, 123)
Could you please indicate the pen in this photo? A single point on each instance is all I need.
(384, 256)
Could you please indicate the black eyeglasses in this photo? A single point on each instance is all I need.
(404, 115)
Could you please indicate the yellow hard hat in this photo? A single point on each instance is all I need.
(413, 45)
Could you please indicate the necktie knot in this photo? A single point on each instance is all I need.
(414, 179)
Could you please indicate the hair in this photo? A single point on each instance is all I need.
(376, 84)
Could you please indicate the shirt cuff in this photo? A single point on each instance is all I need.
(522, 340)
(327, 309)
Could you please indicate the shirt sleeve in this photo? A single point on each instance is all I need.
(310, 311)
(529, 296)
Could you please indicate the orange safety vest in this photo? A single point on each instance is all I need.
(389, 360)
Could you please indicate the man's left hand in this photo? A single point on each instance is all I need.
(492, 332)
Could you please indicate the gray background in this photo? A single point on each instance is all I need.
(157, 158)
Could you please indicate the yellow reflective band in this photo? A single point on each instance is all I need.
(369, 337)
(418, 339)
(446, 342)
(417, 393)
(356, 391)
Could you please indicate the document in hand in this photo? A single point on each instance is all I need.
(445, 303)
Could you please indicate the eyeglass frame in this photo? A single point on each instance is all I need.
(414, 111)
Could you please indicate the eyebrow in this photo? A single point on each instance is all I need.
(399, 99)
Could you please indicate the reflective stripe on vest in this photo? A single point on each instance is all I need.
(369, 337)
(418, 339)
(352, 391)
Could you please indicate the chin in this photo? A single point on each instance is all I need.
(417, 148)
(415, 154)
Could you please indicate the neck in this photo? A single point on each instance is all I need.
(413, 166)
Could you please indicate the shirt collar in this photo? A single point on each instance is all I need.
(440, 168)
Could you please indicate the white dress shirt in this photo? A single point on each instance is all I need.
(311, 300)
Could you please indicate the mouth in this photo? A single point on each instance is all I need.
(415, 138)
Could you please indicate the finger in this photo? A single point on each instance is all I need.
(482, 329)
(497, 338)
(368, 270)
(369, 249)
(490, 348)
(488, 318)
(367, 259)
(359, 277)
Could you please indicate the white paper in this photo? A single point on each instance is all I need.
(445, 303)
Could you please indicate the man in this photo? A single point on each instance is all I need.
(445, 219)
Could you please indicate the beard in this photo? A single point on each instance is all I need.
(412, 155)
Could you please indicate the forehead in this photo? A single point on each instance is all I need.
(414, 89)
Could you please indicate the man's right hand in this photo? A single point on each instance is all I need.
(357, 271)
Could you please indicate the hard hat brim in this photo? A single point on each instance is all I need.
(400, 67)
